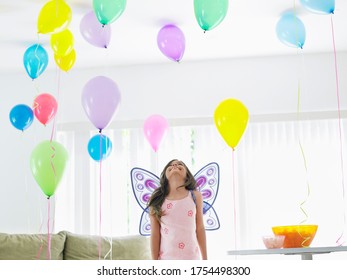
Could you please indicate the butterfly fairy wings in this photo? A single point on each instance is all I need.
(144, 182)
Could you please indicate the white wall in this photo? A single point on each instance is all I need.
(265, 85)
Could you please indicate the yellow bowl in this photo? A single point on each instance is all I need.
(296, 236)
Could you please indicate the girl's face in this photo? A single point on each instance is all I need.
(176, 167)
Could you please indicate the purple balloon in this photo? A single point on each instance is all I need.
(100, 100)
(171, 42)
(94, 32)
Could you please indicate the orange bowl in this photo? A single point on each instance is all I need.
(296, 236)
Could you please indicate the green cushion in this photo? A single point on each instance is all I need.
(83, 247)
(31, 246)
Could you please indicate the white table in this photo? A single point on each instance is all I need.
(306, 253)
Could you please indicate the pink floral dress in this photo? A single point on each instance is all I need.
(178, 230)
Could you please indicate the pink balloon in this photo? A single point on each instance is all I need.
(155, 128)
(100, 100)
(45, 107)
(94, 32)
(171, 42)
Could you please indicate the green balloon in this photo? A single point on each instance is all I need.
(107, 11)
(210, 13)
(47, 163)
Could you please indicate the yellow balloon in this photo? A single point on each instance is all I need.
(66, 62)
(62, 43)
(231, 119)
(55, 16)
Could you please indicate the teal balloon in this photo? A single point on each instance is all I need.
(21, 116)
(47, 162)
(210, 13)
(291, 31)
(107, 11)
(319, 6)
(35, 60)
(99, 147)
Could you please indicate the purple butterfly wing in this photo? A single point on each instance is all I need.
(143, 183)
(145, 224)
(211, 220)
(207, 179)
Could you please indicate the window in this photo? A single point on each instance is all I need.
(266, 172)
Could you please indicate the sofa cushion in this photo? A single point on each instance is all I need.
(83, 247)
(31, 246)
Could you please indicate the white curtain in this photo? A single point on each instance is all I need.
(291, 172)
(281, 172)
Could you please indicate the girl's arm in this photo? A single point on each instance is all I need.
(155, 237)
(200, 228)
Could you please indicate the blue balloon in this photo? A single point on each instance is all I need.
(95, 143)
(21, 116)
(35, 60)
(291, 31)
(319, 6)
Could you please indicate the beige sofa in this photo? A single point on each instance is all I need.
(69, 246)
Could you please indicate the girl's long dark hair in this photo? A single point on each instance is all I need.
(159, 195)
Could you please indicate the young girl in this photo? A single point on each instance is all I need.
(177, 227)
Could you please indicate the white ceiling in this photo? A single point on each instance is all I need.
(247, 30)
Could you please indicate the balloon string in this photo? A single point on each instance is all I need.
(51, 160)
(38, 58)
(307, 183)
(37, 87)
(305, 239)
(40, 250)
(234, 198)
(55, 116)
(303, 156)
(41, 240)
(53, 215)
(48, 230)
(53, 129)
(35, 105)
(298, 111)
(109, 239)
(338, 241)
(109, 252)
(100, 187)
(52, 135)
